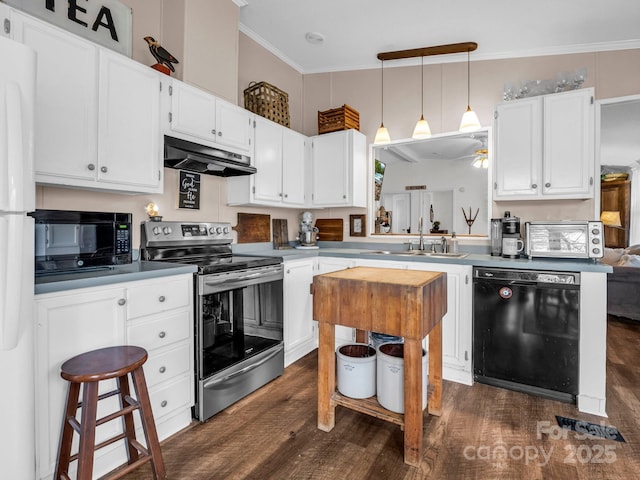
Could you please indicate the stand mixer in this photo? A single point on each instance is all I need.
(308, 232)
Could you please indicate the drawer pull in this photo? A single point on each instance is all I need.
(122, 301)
(163, 404)
(161, 299)
(162, 334)
(162, 369)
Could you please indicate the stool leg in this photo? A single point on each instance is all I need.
(149, 426)
(66, 437)
(129, 428)
(88, 431)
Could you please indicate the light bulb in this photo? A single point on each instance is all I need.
(469, 121)
(382, 135)
(422, 129)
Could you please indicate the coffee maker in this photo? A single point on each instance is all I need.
(511, 242)
(308, 232)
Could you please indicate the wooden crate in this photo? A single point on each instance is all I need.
(342, 118)
(268, 101)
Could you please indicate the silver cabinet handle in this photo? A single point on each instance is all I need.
(161, 298)
(163, 404)
(286, 195)
(122, 301)
(162, 369)
(547, 184)
(213, 131)
(91, 167)
(219, 133)
(535, 185)
(162, 334)
(103, 169)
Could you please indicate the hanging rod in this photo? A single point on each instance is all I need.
(426, 51)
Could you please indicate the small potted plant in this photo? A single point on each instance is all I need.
(435, 228)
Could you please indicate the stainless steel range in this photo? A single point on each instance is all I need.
(238, 310)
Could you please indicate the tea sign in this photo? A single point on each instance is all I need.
(105, 22)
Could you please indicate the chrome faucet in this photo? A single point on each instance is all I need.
(421, 244)
(445, 245)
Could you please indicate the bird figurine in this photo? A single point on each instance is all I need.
(162, 56)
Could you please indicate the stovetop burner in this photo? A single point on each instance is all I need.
(205, 244)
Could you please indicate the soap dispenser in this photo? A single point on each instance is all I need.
(453, 243)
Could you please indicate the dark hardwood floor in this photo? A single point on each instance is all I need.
(484, 432)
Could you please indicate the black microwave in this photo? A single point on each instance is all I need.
(71, 240)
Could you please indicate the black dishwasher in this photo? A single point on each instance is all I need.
(526, 331)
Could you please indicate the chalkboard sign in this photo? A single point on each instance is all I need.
(189, 190)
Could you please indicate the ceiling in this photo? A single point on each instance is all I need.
(355, 31)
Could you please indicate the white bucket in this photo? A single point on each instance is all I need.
(356, 370)
(390, 377)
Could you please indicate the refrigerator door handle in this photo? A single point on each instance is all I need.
(12, 228)
(12, 156)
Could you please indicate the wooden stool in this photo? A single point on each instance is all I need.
(87, 370)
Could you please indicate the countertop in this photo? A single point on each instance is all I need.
(139, 270)
(368, 251)
(142, 270)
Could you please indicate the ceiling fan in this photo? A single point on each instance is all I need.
(480, 156)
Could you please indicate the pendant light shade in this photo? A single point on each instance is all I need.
(422, 129)
(470, 121)
(382, 135)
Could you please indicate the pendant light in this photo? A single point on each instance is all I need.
(422, 129)
(382, 135)
(470, 120)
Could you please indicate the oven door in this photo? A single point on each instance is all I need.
(239, 335)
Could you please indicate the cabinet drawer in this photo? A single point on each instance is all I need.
(157, 297)
(170, 363)
(160, 332)
(167, 399)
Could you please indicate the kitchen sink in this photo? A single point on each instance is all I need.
(420, 253)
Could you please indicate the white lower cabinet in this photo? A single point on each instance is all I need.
(299, 338)
(327, 265)
(457, 323)
(155, 314)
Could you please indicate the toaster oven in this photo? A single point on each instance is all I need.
(564, 239)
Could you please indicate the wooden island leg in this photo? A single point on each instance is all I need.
(412, 401)
(434, 402)
(326, 376)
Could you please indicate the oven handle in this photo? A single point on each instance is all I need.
(246, 369)
(211, 283)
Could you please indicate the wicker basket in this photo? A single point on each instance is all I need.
(342, 118)
(267, 101)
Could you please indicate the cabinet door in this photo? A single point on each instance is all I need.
(268, 161)
(66, 107)
(330, 170)
(67, 325)
(568, 164)
(457, 323)
(193, 111)
(518, 157)
(129, 123)
(293, 167)
(234, 126)
(298, 313)
(327, 265)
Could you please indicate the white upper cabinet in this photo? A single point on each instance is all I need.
(279, 157)
(97, 116)
(339, 170)
(201, 117)
(544, 147)
(129, 140)
(294, 155)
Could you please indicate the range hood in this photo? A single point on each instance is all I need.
(185, 155)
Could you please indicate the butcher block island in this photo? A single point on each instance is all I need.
(406, 303)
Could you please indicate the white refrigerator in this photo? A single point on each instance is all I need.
(17, 197)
